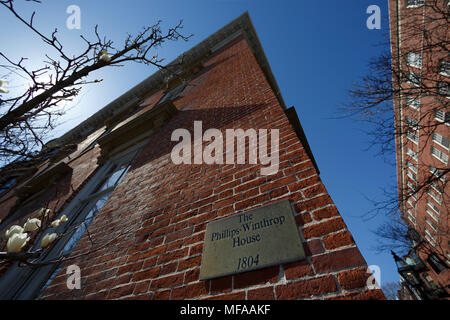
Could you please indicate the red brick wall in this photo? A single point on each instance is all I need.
(409, 38)
(167, 207)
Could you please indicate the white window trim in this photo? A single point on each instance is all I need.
(411, 139)
(437, 142)
(412, 154)
(432, 215)
(431, 205)
(429, 236)
(437, 157)
(434, 197)
(417, 57)
(418, 5)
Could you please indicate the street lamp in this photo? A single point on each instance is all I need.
(406, 269)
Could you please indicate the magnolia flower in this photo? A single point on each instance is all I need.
(32, 225)
(3, 85)
(56, 223)
(16, 242)
(44, 212)
(104, 56)
(48, 240)
(63, 219)
(13, 230)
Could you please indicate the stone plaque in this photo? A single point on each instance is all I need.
(256, 239)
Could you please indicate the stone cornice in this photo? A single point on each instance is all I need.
(242, 24)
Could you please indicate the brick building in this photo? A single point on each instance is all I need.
(421, 64)
(147, 216)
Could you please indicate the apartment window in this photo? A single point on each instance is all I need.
(412, 123)
(411, 203)
(444, 67)
(411, 217)
(431, 225)
(412, 176)
(434, 207)
(413, 102)
(439, 154)
(429, 236)
(433, 215)
(442, 116)
(444, 89)
(435, 196)
(414, 79)
(414, 60)
(412, 154)
(411, 190)
(411, 136)
(412, 167)
(443, 141)
(437, 173)
(414, 3)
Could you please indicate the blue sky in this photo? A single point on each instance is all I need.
(316, 50)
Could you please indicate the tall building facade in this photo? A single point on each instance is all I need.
(421, 77)
(137, 221)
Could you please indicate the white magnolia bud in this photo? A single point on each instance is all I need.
(56, 223)
(44, 212)
(3, 85)
(48, 240)
(32, 225)
(16, 242)
(63, 219)
(13, 230)
(104, 56)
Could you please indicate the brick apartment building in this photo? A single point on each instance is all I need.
(146, 234)
(421, 63)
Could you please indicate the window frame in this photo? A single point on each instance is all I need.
(27, 282)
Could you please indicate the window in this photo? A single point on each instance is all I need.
(411, 203)
(414, 60)
(431, 225)
(443, 141)
(442, 116)
(412, 167)
(413, 102)
(439, 154)
(28, 282)
(430, 237)
(411, 190)
(434, 207)
(444, 67)
(412, 176)
(437, 173)
(411, 136)
(435, 196)
(412, 123)
(7, 185)
(433, 215)
(437, 264)
(411, 217)
(443, 89)
(413, 78)
(412, 154)
(414, 3)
